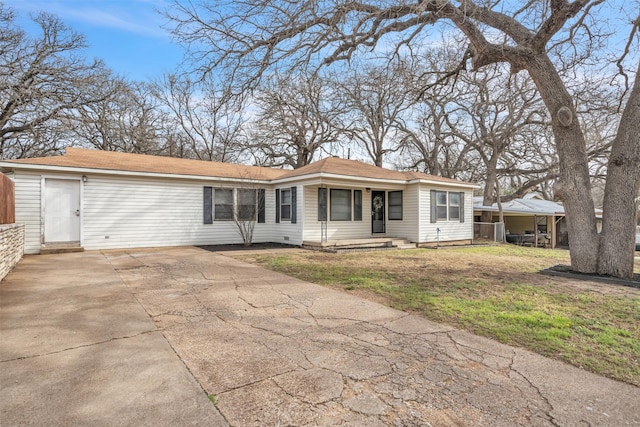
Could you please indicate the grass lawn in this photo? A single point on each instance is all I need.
(494, 291)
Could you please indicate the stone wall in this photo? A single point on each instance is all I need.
(11, 247)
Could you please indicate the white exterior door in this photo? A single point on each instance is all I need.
(61, 210)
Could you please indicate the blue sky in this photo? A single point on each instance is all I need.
(126, 34)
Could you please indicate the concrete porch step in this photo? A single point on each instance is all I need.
(60, 248)
(402, 244)
(355, 244)
(406, 246)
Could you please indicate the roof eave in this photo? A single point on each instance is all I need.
(317, 176)
(516, 211)
(326, 175)
(461, 184)
(116, 172)
(321, 175)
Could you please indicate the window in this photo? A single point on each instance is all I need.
(395, 205)
(285, 205)
(447, 206)
(286, 202)
(357, 205)
(207, 205)
(219, 204)
(441, 205)
(223, 208)
(454, 206)
(246, 204)
(340, 205)
(322, 204)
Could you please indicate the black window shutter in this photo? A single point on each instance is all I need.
(322, 204)
(277, 205)
(294, 199)
(461, 206)
(261, 206)
(208, 205)
(433, 206)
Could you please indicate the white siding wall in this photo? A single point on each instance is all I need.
(27, 191)
(120, 212)
(138, 212)
(449, 230)
(266, 231)
(408, 227)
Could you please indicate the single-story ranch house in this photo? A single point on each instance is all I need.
(106, 200)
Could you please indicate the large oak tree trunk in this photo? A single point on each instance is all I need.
(490, 188)
(573, 185)
(617, 239)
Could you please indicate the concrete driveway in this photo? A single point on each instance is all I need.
(143, 337)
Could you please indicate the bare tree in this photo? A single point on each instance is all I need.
(297, 116)
(250, 202)
(207, 121)
(429, 144)
(471, 125)
(529, 163)
(43, 82)
(599, 117)
(502, 112)
(544, 38)
(126, 119)
(375, 99)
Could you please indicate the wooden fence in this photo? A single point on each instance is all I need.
(7, 201)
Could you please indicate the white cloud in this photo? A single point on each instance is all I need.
(133, 16)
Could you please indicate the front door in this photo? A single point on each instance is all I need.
(61, 210)
(377, 212)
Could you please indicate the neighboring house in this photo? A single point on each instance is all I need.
(530, 215)
(102, 200)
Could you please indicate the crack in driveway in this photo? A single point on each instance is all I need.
(278, 350)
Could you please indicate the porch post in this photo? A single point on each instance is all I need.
(558, 219)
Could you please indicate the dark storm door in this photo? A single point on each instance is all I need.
(377, 212)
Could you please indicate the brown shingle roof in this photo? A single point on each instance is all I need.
(111, 160)
(115, 161)
(338, 166)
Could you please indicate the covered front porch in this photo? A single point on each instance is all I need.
(536, 230)
(342, 215)
(530, 221)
